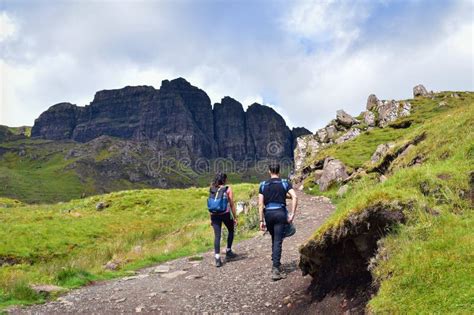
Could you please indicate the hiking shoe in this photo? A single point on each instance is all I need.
(276, 275)
(218, 262)
(282, 272)
(230, 255)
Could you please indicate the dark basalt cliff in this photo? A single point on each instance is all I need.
(298, 132)
(270, 136)
(58, 122)
(231, 131)
(178, 115)
(116, 113)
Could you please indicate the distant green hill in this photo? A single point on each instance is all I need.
(14, 133)
(69, 243)
(43, 171)
(424, 265)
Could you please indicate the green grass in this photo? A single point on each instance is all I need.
(431, 268)
(14, 133)
(10, 203)
(43, 171)
(431, 259)
(40, 178)
(356, 153)
(68, 243)
(24, 130)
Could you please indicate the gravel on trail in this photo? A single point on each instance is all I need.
(185, 285)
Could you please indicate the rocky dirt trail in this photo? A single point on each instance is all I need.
(186, 286)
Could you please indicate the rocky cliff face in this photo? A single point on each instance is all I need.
(195, 100)
(176, 123)
(57, 123)
(177, 117)
(298, 132)
(231, 130)
(269, 134)
(114, 113)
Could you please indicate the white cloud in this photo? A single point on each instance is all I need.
(330, 22)
(347, 81)
(25, 94)
(8, 27)
(319, 57)
(344, 76)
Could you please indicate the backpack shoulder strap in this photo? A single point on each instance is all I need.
(262, 185)
(217, 194)
(284, 182)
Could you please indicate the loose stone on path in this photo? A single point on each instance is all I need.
(162, 269)
(173, 274)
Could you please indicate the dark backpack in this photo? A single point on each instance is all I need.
(217, 201)
(264, 184)
(283, 182)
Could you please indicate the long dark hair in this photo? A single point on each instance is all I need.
(219, 179)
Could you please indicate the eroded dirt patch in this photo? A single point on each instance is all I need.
(339, 262)
(387, 161)
(9, 261)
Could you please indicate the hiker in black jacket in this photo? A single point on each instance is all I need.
(272, 207)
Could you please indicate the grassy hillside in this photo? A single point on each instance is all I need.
(36, 171)
(67, 244)
(14, 133)
(427, 263)
(43, 171)
(22, 131)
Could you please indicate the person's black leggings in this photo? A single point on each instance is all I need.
(276, 221)
(217, 220)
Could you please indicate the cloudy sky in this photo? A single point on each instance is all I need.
(305, 58)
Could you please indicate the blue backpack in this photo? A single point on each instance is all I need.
(217, 201)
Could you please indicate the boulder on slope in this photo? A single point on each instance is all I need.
(381, 151)
(333, 171)
(372, 102)
(420, 90)
(345, 119)
(349, 135)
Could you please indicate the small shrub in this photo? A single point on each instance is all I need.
(252, 220)
(21, 291)
(73, 277)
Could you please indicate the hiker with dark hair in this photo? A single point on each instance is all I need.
(222, 209)
(272, 208)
